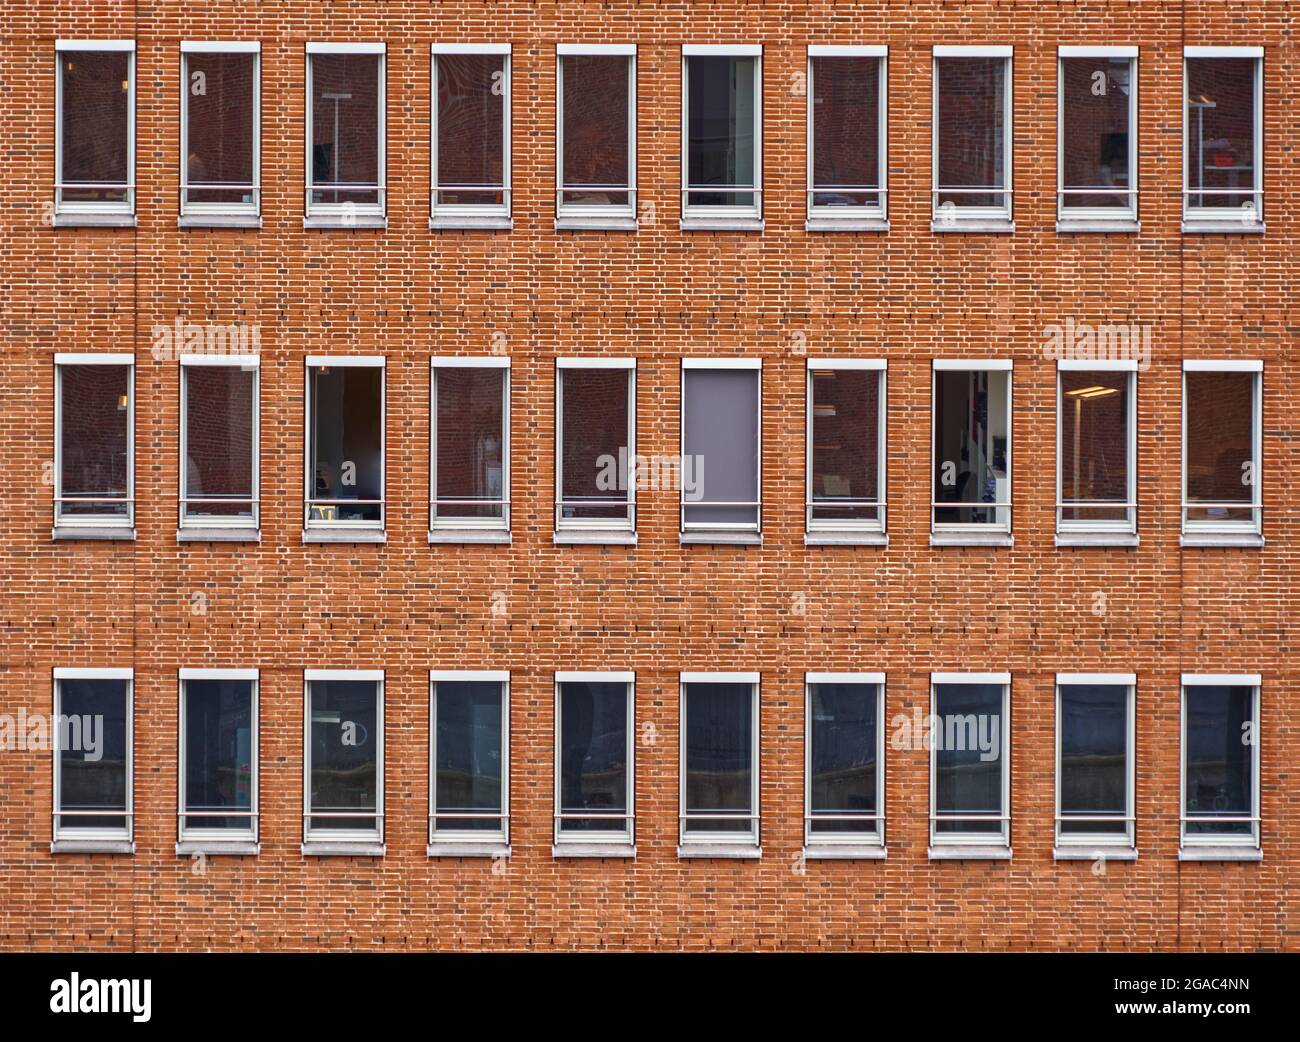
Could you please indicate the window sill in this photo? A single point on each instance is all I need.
(720, 850)
(845, 224)
(320, 535)
(91, 532)
(845, 538)
(1231, 540)
(92, 846)
(218, 535)
(1066, 539)
(471, 224)
(721, 538)
(219, 220)
(979, 227)
(1228, 227)
(596, 224)
(973, 852)
(597, 850)
(214, 847)
(971, 539)
(319, 849)
(722, 224)
(1123, 227)
(468, 850)
(594, 538)
(845, 852)
(94, 220)
(1100, 852)
(469, 535)
(1220, 853)
(339, 222)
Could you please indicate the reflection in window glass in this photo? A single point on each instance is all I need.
(94, 124)
(1220, 133)
(220, 163)
(219, 406)
(845, 445)
(846, 132)
(469, 444)
(969, 760)
(219, 755)
(1219, 750)
(971, 132)
(94, 755)
(1096, 107)
(1094, 425)
(1094, 758)
(595, 166)
(469, 768)
(346, 122)
(720, 758)
(842, 758)
(593, 756)
(94, 442)
(471, 129)
(344, 756)
(594, 445)
(1219, 458)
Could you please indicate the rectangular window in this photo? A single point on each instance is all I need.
(594, 756)
(596, 136)
(722, 147)
(847, 155)
(471, 136)
(595, 464)
(94, 419)
(844, 767)
(1096, 447)
(345, 135)
(1220, 771)
(1223, 134)
(972, 137)
(1094, 761)
(218, 757)
(220, 134)
(94, 139)
(970, 755)
(1097, 138)
(219, 446)
(1221, 451)
(92, 737)
(470, 461)
(345, 443)
(719, 763)
(972, 447)
(846, 445)
(469, 736)
(719, 468)
(344, 762)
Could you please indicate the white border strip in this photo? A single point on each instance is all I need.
(719, 678)
(243, 361)
(970, 678)
(844, 678)
(1103, 365)
(722, 363)
(220, 47)
(1129, 679)
(342, 361)
(1086, 51)
(722, 50)
(1223, 52)
(840, 50)
(498, 675)
(93, 358)
(570, 676)
(343, 674)
(469, 362)
(848, 363)
(94, 45)
(345, 47)
(1227, 365)
(593, 49)
(91, 673)
(595, 363)
(966, 364)
(1220, 679)
(972, 51)
(185, 673)
(469, 48)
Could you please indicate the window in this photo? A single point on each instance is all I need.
(94, 138)
(92, 738)
(1094, 764)
(972, 138)
(844, 764)
(595, 463)
(219, 444)
(1096, 450)
(1221, 453)
(596, 136)
(469, 736)
(722, 150)
(470, 461)
(344, 763)
(220, 136)
(94, 465)
(471, 136)
(345, 135)
(846, 446)
(345, 447)
(846, 137)
(218, 760)
(972, 450)
(970, 753)
(1220, 771)
(719, 468)
(1223, 134)
(719, 765)
(593, 768)
(1097, 142)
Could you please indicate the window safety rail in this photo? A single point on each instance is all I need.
(592, 835)
(470, 519)
(344, 835)
(687, 818)
(572, 204)
(254, 190)
(843, 503)
(328, 510)
(503, 190)
(339, 188)
(690, 190)
(253, 504)
(219, 812)
(852, 191)
(625, 518)
(1063, 505)
(748, 526)
(468, 835)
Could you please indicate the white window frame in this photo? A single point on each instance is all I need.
(472, 215)
(89, 522)
(698, 843)
(854, 218)
(1082, 218)
(472, 525)
(311, 524)
(1245, 218)
(813, 524)
(96, 212)
(829, 843)
(223, 213)
(326, 841)
(597, 524)
(950, 216)
(1128, 525)
(988, 843)
(72, 839)
(215, 525)
(1252, 529)
(721, 527)
(967, 528)
(194, 840)
(595, 215)
(1123, 838)
(722, 218)
(608, 842)
(349, 214)
(1225, 842)
(469, 842)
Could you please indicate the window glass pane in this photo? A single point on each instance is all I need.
(94, 424)
(719, 755)
(1094, 755)
(846, 130)
(1220, 131)
(219, 440)
(468, 766)
(470, 451)
(842, 755)
(971, 130)
(593, 447)
(218, 752)
(1220, 410)
(471, 128)
(968, 756)
(845, 444)
(345, 127)
(720, 422)
(93, 753)
(220, 111)
(971, 445)
(1220, 759)
(721, 129)
(95, 123)
(596, 128)
(1094, 444)
(593, 754)
(1095, 129)
(346, 442)
(344, 752)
